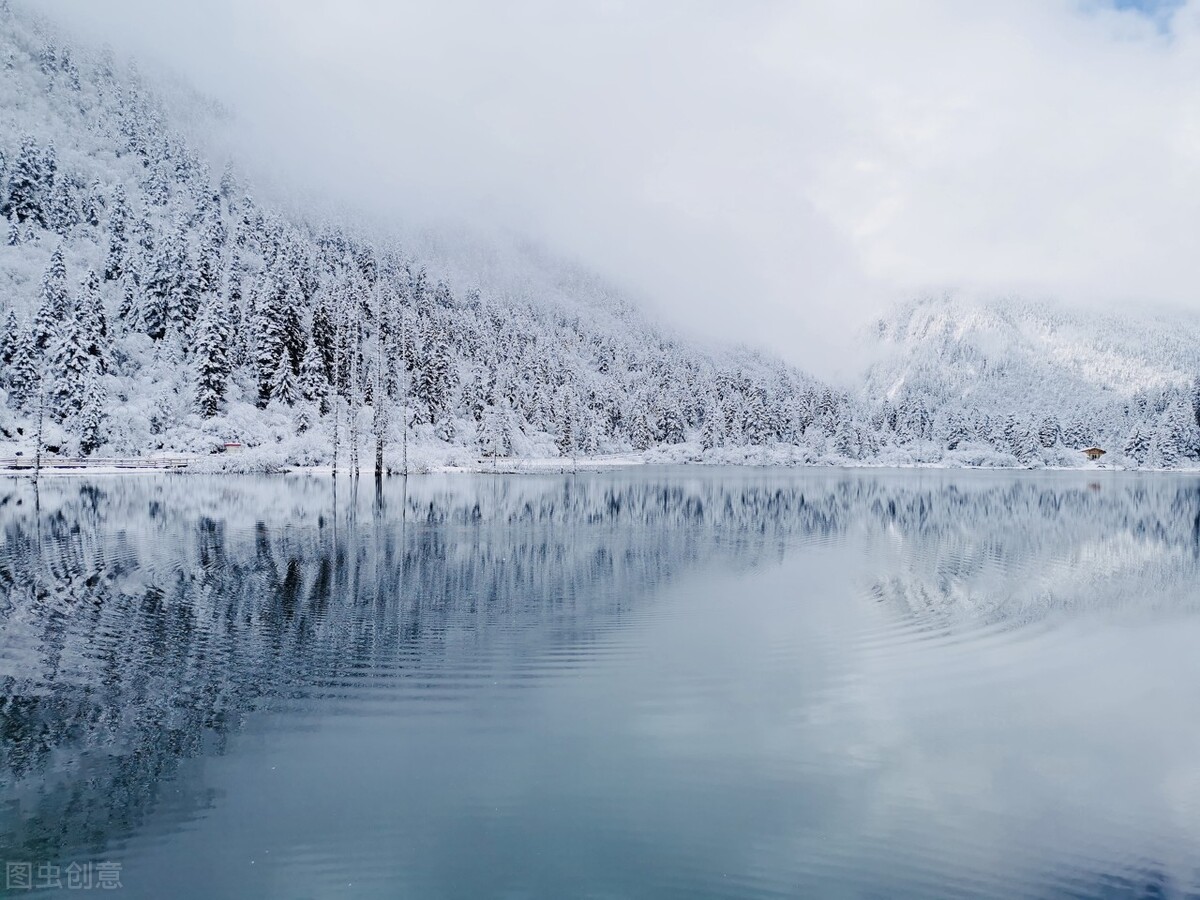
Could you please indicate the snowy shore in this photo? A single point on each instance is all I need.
(264, 461)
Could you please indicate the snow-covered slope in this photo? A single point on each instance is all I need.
(151, 301)
(1074, 377)
(150, 305)
(1013, 355)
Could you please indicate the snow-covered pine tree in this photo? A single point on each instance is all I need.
(24, 372)
(91, 202)
(957, 432)
(211, 358)
(283, 383)
(1026, 446)
(10, 339)
(118, 235)
(314, 386)
(54, 307)
(212, 244)
(1136, 446)
(1049, 432)
(27, 185)
(321, 337)
(63, 205)
(495, 433)
(89, 307)
(568, 416)
(755, 424)
(671, 423)
(49, 169)
(433, 382)
(1164, 451)
(93, 410)
(161, 286)
(712, 429)
(845, 440)
(68, 367)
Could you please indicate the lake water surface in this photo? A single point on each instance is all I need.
(645, 683)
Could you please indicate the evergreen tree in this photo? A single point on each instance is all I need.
(1026, 446)
(712, 431)
(69, 367)
(63, 205)
(24, 373)
(94, 321)
(14, 232)
(314, 385)
(1163, 452)
(212, 361)
(154, 185)
(957, 432)
(228, 184)
(283, 383)
(1136, 446)
(845, 440)
(495, 433)
(118, 236)
(322, 338)
(671, 424)
(10, 340)
(129, 314)
(93, 410)
(569, 416)
(755, 424)
(434, 380)
(161, 302)
(90, 204)
(1049, 432)
(27, 185)
(49, 165)
(54, 310)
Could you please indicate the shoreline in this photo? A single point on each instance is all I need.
(203, 465)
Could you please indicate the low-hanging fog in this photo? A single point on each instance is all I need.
(772, 172)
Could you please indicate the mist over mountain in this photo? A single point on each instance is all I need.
(152, 302)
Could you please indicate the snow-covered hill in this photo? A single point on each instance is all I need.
(1003, 372)
(151, 301)
(153, 305)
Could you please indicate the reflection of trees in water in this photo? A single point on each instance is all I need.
(142, 619)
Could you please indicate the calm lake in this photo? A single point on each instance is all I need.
(645, 683)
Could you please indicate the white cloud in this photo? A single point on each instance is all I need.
(767, 171)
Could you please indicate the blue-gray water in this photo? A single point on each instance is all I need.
(649, 683)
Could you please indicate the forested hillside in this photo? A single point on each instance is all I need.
(1024, 379)
(151, 304)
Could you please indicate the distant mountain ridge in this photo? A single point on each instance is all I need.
(1099, 375)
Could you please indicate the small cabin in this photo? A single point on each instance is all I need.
(235, 447)
(1094, 453)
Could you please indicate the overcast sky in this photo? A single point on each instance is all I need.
(767, 171)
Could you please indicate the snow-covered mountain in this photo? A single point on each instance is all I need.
(1002, 372)
(149, 304)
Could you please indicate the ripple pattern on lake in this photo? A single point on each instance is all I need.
(666, 682)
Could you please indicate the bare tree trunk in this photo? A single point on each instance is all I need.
(380, 398)
(41, 425)
(337, 393)
(404, 398)
(355, 403)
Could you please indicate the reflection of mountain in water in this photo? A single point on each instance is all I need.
(142, 619)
